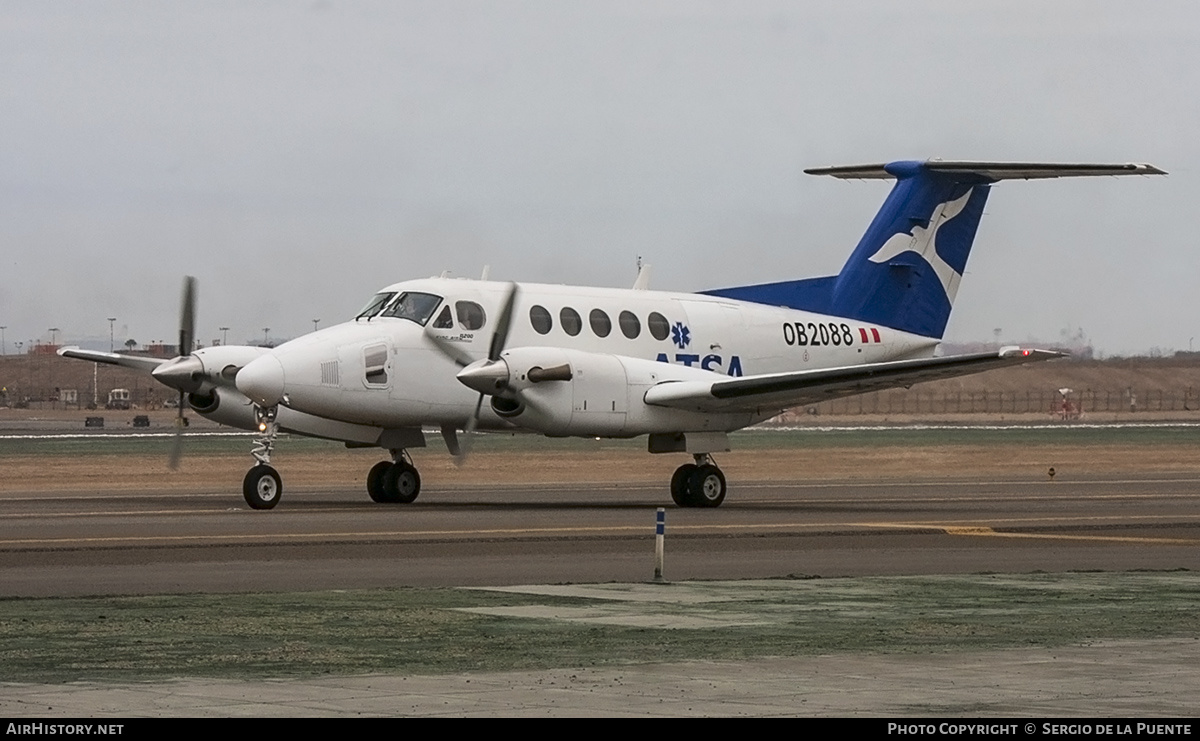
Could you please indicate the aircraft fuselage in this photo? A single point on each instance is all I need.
(393, 372)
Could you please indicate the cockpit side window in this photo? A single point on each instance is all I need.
(444, 320)
(375, 305)
(470, 314)
(416, 307)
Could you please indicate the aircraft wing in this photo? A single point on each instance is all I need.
(782, 390)
(136, 362)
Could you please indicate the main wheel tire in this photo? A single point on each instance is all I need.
(401, 483)
(679, 485)
(262, 487)
(375, 481)
(706, 487)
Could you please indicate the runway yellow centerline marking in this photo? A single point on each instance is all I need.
(987, 532)
(360, 535)
(115, 513)
(946, 527)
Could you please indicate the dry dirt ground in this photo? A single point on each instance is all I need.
(315, 468)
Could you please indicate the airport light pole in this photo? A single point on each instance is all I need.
(49, 363)
(3, 344)
(315, 323)
(111, 319)
(224, 335)
(266, 333)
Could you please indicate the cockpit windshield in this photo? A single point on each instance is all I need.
(417, 307)
(375, 305)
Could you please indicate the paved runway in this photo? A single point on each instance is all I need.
(66, 543)
(71, 543)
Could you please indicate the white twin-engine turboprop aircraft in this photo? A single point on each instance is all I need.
(683, 369)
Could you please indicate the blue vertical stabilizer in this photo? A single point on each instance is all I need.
(905, 271)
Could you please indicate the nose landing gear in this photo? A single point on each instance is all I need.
(396, 481)
(262, 486)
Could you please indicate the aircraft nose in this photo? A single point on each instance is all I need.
(262, 380)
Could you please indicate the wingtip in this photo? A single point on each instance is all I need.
(1016, 351)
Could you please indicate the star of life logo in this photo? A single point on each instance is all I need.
(680, 335)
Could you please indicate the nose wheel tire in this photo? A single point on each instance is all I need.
(262, 487)
(400, 483)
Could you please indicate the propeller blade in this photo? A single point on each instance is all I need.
(499, 340)
(181, 376)
(177, 443)
(503, 323)
(464, 446)
(451, 349)
(187, 316)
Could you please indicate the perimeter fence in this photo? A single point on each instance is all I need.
(891, 402)
(1032, 401)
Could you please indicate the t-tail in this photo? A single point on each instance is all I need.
(905, 271)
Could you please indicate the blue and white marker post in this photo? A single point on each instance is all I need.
(659, 530)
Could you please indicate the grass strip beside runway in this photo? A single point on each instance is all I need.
(439, 631)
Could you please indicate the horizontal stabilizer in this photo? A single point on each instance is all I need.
(783, 390)
(992, 171)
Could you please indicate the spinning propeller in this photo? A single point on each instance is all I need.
(493, 375)
(187, 335)
(180, 372)
(492, 367)
(185, 372)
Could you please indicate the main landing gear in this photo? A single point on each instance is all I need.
(394, 481)
(699, 484)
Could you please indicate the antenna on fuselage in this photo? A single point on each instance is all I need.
(487, 271)
(642, 282)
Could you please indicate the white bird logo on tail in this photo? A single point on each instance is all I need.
(923, 241)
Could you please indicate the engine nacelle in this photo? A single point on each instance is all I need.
(224, 406)
(207, 368)
(220, 363)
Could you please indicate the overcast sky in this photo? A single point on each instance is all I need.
(295, 156)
